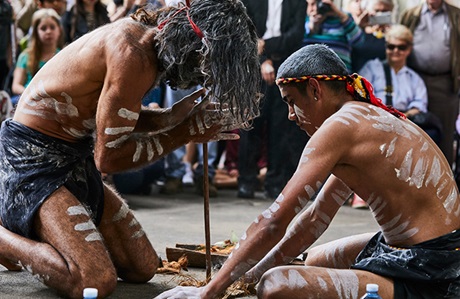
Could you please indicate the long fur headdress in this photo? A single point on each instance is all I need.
(224, 59)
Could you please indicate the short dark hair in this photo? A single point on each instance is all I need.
(312, 60)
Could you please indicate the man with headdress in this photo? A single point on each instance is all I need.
(81, 115)
(357, 145)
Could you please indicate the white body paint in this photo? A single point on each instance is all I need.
(77, 210)
(346, 285)
(127, 114)
(121, 214)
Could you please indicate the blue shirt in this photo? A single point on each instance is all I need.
(22, 64)
(409, 90)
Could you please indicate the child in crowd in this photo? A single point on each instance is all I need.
(45, 42)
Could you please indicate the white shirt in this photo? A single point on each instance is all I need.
(273, 19)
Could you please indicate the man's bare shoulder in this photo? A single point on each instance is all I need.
(118, 45)
(362, 117)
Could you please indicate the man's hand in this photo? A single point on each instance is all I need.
(207, 123)
(185, 107)
(181, 293)
(268, 72)
(260, 46)
(335, 11)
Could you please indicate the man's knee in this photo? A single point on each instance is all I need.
(141, 273)
(314, 257)
(269, 286)
(104, 282)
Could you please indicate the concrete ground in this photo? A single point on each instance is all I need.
(169, 220)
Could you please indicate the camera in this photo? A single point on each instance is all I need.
(322, 7)
(380, 18)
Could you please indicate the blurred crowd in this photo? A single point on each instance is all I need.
(408, 50)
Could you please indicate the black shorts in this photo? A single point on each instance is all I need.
(428, 270)
(34, 165)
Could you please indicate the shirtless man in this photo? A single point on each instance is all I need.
(81, 115)
(357, 145)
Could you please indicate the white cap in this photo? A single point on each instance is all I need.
(90, 293)
(372, 287)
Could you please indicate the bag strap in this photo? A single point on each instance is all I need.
(389, 86)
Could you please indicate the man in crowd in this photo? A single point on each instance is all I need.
(81, 115)
(357, 145)
(279, 25)
(436, 58)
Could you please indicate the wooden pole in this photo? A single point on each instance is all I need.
(207, 231)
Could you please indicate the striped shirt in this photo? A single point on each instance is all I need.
(339, 37)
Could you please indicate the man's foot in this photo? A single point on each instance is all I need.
(245, 191)
(187, 179)
(200, 188)
(171, 186)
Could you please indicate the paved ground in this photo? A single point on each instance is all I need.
(169, 220)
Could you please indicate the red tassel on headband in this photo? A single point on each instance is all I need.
(362, 89)
(357, 86)
(195, 27)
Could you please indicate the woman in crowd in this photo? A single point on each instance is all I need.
(45, 42)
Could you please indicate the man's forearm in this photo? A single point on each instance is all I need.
(154, 121)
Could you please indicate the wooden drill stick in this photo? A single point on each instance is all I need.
(207, 231)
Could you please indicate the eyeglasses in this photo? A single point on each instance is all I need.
(391, 47)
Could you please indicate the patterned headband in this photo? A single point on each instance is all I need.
(357, 86)
(195, 27)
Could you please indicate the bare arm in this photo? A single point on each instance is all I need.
(162, 120)
(260, 245)
(308, 227)
(19, 78)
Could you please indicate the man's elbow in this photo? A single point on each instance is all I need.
(105, 164)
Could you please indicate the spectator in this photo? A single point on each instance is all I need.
(435, 57)
(327, 24)
(409, 93)
(357, 9)
(140, 181)
(83, 17)
(45, 42)
(374, 34)
(175, 167)
(227, 167)
(6, 21)
(6, 107)
(279, 27)
(24, 10)
(118, 9)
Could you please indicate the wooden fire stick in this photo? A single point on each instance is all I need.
(207, 231)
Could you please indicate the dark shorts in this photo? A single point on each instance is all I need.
(34, 165)
(428, 270)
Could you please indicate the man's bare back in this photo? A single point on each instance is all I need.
(90, 78)
(397, 171)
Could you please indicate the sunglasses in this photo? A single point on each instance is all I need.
(391, 47)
